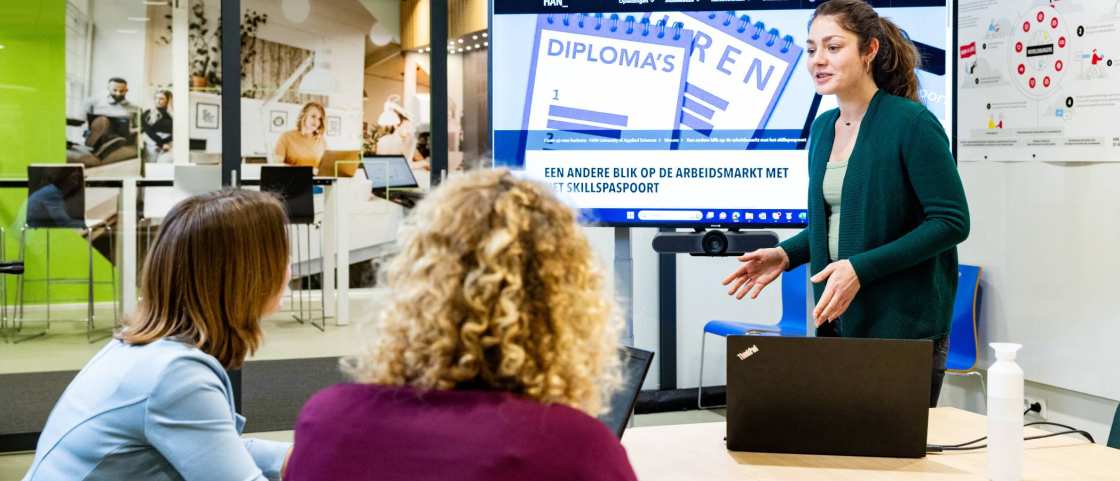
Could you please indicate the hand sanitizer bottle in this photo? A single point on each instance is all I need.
(1005, 415)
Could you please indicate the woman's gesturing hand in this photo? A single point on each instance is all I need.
(843, 284)
(758, 269)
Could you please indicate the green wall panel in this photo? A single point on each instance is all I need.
(32, 131)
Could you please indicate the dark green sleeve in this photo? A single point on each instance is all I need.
(797, 248)
(933, 176)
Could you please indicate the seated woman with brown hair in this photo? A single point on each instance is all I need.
(497, 346)
(156, 403)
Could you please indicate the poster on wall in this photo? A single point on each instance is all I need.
(1038, 81)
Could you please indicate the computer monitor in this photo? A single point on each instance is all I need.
(389, 172)
(635, 366)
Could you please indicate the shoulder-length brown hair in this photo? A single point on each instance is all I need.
(218, 261)
(322, 117)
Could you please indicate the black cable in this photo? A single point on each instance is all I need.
(1069, 430)
(1063, 426)
(966, 447)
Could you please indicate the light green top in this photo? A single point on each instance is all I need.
(833, 184)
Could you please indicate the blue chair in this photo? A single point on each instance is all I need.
(1114, 435)
(964, 343)
(794, 321)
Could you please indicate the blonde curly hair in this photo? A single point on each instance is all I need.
(496, 288)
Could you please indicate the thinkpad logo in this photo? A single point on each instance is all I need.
(748, 353)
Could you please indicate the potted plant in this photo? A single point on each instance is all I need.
(205, 56)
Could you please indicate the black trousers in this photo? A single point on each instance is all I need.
(940, 355)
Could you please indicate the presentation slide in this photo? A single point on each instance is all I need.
(1038, 81)
(664, 113)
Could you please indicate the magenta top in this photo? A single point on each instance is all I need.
(370, 432)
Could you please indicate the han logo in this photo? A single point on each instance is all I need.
(555, 3)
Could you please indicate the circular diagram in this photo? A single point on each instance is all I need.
(1039, 50)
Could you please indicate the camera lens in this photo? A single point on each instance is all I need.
(714, 242)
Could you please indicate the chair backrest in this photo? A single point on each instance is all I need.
(189, 180)
(198, 179)
(295, 186)
(794, 316)
(1114, 435)
(963, 339)
(56, 196)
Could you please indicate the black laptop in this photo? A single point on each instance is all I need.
(832, 396)
(635, 366)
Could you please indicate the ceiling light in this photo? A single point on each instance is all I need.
(476, 45)
(127, 31)
(485, 44)
(460, 40)
(468, 48)
(155, 3)
(483, 34)
(138, 19)
(474, 37)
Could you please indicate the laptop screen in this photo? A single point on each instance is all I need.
(389, 172)
(635, 366)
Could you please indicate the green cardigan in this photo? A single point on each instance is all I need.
(904, 212)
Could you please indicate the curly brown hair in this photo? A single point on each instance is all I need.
(496, 287)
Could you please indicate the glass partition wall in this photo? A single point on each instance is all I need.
(134, 91)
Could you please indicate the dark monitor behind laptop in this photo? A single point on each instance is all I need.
(635, 366)
(295, 186)
(831, 396)
(389, 172)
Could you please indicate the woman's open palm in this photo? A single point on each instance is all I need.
(758, 269)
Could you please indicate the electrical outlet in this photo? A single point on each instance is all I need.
(1031, 401)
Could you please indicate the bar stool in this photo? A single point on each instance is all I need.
(3, 284)
(295, 187)
(56, 200)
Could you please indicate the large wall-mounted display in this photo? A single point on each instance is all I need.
(1038, 81)
(680, 114)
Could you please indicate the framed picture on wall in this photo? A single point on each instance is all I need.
(334, 125)
(207, 116)
(277, 121)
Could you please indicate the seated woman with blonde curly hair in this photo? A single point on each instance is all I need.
(497, 347)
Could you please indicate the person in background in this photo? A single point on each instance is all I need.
(156, 125)
(886, 204)
(422, 154)
(109, 119)
(156, 403)
(497, 345)
(305, 144)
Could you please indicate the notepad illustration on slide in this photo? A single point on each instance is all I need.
(736, 73)
(605, 77)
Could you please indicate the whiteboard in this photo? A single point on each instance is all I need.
(1039, 81)
(1048, 238)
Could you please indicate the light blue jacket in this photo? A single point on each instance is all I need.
(163, 411)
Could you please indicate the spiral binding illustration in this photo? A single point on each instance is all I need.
(612, 23)
(745, 23)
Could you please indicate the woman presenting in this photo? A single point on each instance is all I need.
(305, 144)
(886, 205)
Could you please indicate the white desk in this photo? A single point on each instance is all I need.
(697, 451)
